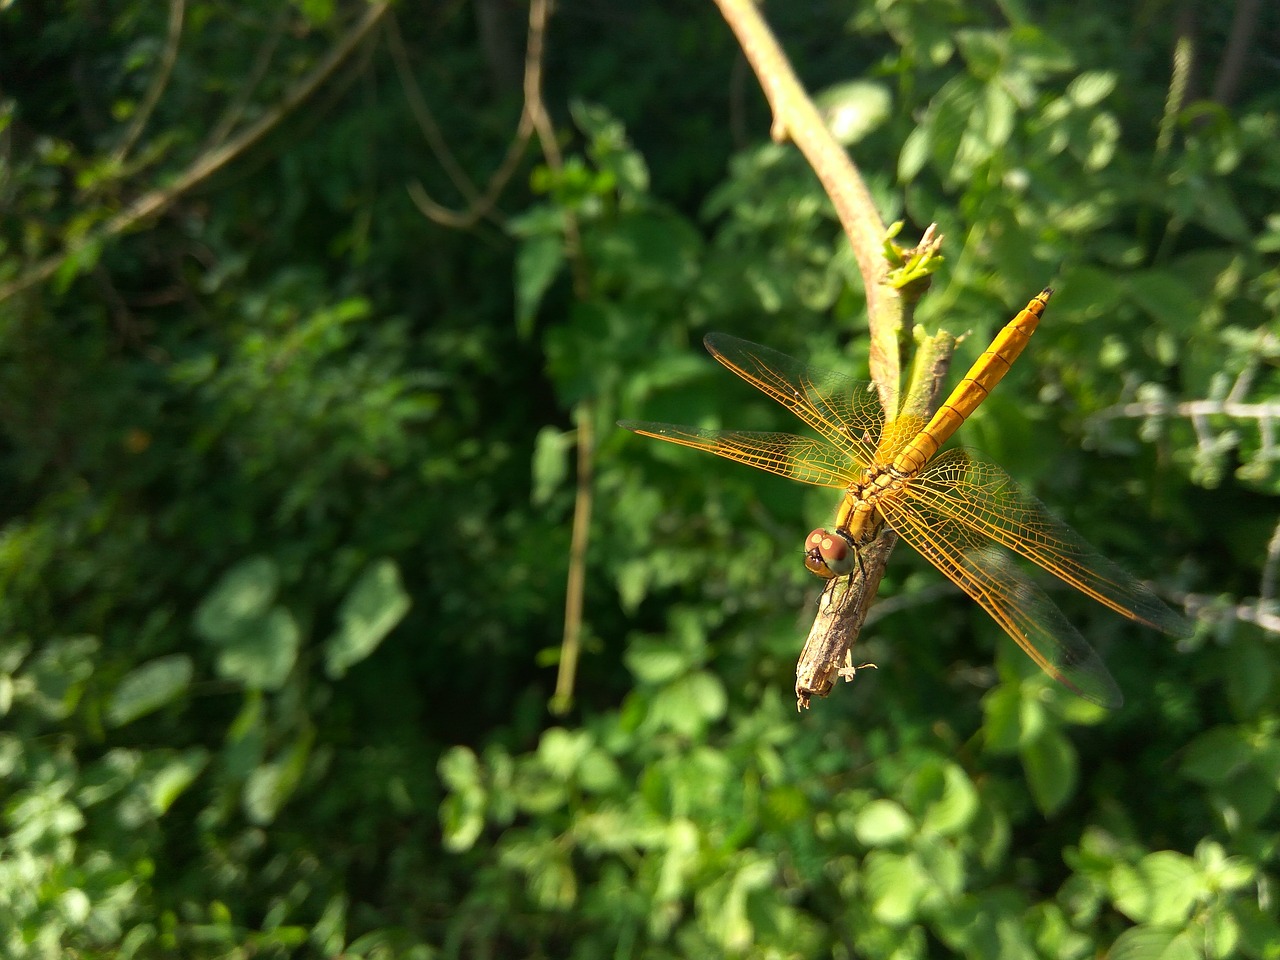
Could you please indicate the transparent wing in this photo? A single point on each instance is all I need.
(989, 575)
(986, 500)
(798, 458)
(845, 411)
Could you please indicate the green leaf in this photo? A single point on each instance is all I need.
(598, 772)
(1160, 890)
(688, 704)
(317, 12)
(538, 262)
(1000, 113)
(1259, 928)
(882, 823)
(550, 462)
(329, 935)
(984, 50)
(270, 785)
(723, 905)
(987, 923)
(172, 780)
(1104, 138)
(1250, 794)
(1154, 943)
(646, 250)
(57, 674)
(149, 687)
(633, 579)
(1250, 671)
(1050, 764)
(914, 154)
(951, 813)
(264, 793)
(854, 108)
(459, 769)
(1166, 297)
(262, 650)
(244, 593)
(1090, 88)
(1216, 756)
(1002, 729)
(371, 610)
(895, 883)
(1222, 872)
(561, 750)
(657, 659)
(1217, 210)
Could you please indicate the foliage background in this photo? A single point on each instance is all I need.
(288, 479)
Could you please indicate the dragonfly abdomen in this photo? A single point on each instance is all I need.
(988, 370)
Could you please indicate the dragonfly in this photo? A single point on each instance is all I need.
(961, 512)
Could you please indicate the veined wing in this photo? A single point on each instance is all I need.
(797, 458)
(845, 411)
(986, 500)
(988, 574)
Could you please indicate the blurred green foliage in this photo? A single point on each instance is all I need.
(288, 478)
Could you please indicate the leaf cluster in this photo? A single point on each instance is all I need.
(289, 479)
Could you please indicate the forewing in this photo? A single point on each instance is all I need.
(991, 577)
(845, 411)
(797, 458)
(986, 500)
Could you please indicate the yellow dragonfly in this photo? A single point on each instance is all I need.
(962, 513)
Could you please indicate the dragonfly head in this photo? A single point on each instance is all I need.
(829, 554)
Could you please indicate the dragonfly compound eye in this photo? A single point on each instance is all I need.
(829, 554)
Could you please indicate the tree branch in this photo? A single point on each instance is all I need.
(205, 165)
(891, 298)
(177, 10)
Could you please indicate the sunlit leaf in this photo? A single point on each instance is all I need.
(550, 462)
(149, 687)
(244, 593)
(1090, 88)
(261, 650)
(1160, 890)
(175, 777)
(1154, 943)
(854, 108)
(881, 823)
(538, 262)
(371, 610)
(1051, 766)
(896, 883)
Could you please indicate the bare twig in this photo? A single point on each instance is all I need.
(1262, 612)
(539, 10)
(1243, 27)
(1198, 412)
(426, 119)
(207, 164)
(843, 606)
(536, 111)
(244, 89)
(1267, 586)
(842, 610)
(532, 117)
(571, 644)
(796, 118)
(177, 10)
(1192, 408)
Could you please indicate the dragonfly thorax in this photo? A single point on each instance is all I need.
(834, 553)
